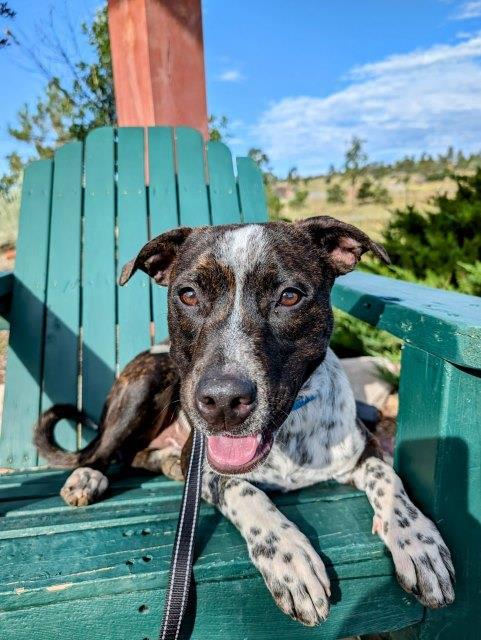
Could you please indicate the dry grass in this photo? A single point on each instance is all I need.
(9, 210)
(370, 217)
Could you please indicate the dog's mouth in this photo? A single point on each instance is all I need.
(238, 454)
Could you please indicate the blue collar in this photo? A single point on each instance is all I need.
(302, 401)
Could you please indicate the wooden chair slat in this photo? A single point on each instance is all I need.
(61, 358)
(163, 209)
(134, 298)
(193, 200)
(98, 272)
(222, 185)
(24, 358)
(251, 191)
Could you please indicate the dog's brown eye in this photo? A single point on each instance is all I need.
(290, 297)
(188, 296)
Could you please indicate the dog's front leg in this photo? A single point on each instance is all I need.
(422, 560)
(292, 570)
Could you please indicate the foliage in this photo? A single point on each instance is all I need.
(441, 247)
(299, 199)
(372, 192)
(218, 128)
(355, 160)
(352, 337)
(7, 13)
(72, 106)
(336, 194)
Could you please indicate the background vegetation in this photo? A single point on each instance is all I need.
(426, 210)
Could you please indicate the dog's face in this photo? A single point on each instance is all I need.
(249, 318)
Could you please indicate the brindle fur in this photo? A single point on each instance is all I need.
(238, 273)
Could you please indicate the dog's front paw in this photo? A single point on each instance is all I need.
(422, 560)
(293, 572)
(84, 486)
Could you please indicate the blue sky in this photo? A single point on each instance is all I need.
(300, 78)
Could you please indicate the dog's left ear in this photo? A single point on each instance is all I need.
(157, 257)
(341, 244)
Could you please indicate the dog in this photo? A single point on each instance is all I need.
(250, 366)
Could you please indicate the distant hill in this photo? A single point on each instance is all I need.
(369, 215)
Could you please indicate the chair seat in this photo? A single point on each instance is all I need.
(101, 571)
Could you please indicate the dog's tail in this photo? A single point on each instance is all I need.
(43, 436)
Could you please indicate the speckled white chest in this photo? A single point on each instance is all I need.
(320, 440)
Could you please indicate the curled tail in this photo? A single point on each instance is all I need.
(44, 440)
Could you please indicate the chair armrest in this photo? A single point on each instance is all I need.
(6, 288)
(444, 323)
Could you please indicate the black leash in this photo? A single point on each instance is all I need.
(182, 553)
(180, 576)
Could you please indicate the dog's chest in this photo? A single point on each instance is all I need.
(302, 458)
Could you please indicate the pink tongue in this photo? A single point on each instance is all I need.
(232, 452)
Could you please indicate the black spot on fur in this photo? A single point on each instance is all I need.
(264, 550)
(287, 557)
(255, 531)
(248, 491)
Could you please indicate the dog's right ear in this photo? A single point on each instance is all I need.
(157, 257)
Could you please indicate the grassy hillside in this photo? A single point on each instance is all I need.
(370, 217)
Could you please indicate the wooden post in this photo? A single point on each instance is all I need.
(158, 62)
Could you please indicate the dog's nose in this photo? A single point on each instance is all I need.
(225, 400)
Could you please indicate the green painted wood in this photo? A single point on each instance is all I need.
(163, 210)
(439, 457)
(251, 191)
(191, 178)
(6, 290)
(61, 356)
(443, 323)
(24, 358)
(98, 272)
(134, 297)
(123, 555)
(224, 201)
(246, 609)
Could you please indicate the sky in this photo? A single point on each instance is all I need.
(300, 78)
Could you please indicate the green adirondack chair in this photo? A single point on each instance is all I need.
(101, 571)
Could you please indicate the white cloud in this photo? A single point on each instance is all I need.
(405, 104)
(468, 10)
(230, 75)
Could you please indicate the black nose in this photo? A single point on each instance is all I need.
(225, 400)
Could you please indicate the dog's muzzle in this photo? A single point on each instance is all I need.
(225, 401)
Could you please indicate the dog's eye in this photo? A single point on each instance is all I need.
(188, 296)
(290, 297)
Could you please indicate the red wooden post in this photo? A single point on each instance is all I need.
(158, 62)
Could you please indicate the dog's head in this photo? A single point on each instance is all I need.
(249, 319)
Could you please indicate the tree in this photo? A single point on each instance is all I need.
(218, 128)
(72, 105)
(355, 162)
(7, 13)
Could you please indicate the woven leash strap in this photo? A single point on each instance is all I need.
(182, 553)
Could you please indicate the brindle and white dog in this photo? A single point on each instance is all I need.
(250, 321)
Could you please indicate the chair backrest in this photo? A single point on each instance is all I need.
(83, 215)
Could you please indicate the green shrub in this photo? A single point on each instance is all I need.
(299, 199)
(336, 194)
(439, 248)
(442, 247)
(352, 337)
